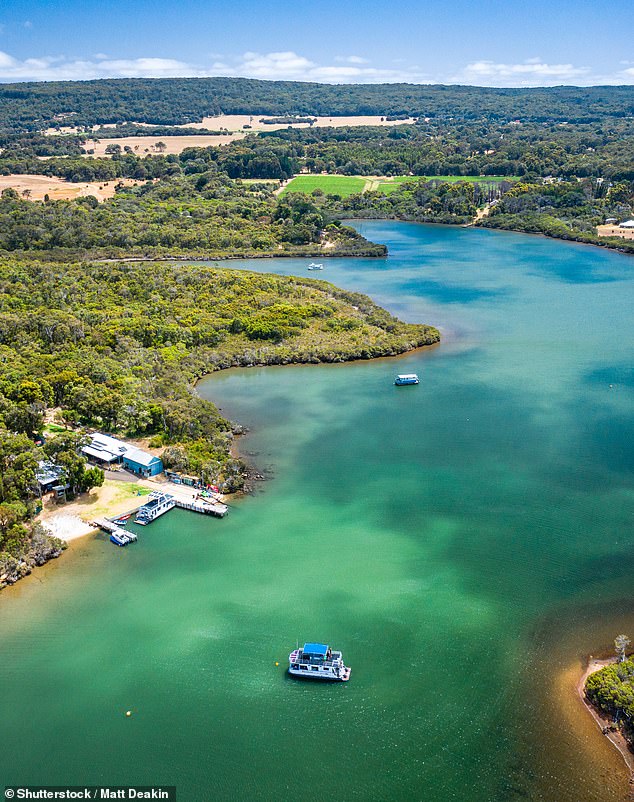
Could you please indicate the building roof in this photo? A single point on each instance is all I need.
(99, 453)
(627, 224)
(48, 472)
(108, 449)
(318, 649)
(140, 457)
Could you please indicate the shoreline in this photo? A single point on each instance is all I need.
(617, 740)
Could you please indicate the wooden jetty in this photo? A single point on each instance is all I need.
(203, 506)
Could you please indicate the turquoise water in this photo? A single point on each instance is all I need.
(464, 542)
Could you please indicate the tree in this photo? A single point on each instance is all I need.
(621, 642)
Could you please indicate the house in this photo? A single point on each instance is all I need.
(50, 476)
(108, 451)
(628, 224)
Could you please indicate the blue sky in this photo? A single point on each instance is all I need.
(486, 43)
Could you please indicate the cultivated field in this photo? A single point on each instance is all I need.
(236, 122)
(348, 185)
(35, 187)
(330, 184)
(146, 145)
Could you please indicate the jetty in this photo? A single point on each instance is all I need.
(206, 506)
(158, 503)
(118, 535)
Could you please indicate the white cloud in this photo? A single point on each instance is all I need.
(532, 72)
(352, 59)
(288, 65)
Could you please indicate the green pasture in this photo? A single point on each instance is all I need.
(330, 184)
(345, 185)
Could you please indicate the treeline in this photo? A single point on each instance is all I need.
(177, 101)
(604, 149)
(419, 200)
(206, 215)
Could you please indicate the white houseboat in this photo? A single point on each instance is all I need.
(158, 504)
(318, 661)
(406, 378)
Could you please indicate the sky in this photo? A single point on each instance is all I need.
(485, 43)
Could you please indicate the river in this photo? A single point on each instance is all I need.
(465, 542)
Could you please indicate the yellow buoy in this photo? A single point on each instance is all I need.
(128, 712)
(277, 664)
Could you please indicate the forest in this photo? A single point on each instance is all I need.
(179, 101)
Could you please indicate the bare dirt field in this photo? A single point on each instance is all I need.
(35, 187)
(146, 145)
(615, 231)
(236, 122)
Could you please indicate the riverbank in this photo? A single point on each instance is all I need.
(603, 722)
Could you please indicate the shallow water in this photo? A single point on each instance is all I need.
(465, 542)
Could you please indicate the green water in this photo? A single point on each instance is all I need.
(463, 542)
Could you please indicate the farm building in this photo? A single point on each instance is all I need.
(108, 451)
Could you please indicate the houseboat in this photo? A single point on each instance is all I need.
(158, 504)
(406, 378)
(318, 661)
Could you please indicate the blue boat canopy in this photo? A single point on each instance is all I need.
(316, 649)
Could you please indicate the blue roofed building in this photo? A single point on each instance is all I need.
(142, 463)
(108, 451)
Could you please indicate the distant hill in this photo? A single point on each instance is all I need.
(173, 101)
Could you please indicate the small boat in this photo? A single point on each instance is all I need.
(119, 539)
(406, 378)
(315, 266)
(318, 661)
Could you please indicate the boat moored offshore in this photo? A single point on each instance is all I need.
(318, 661)
(406, 378)
(315, 266)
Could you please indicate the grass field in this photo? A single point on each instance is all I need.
(343, 185)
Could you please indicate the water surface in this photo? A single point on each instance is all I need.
(465, 542)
